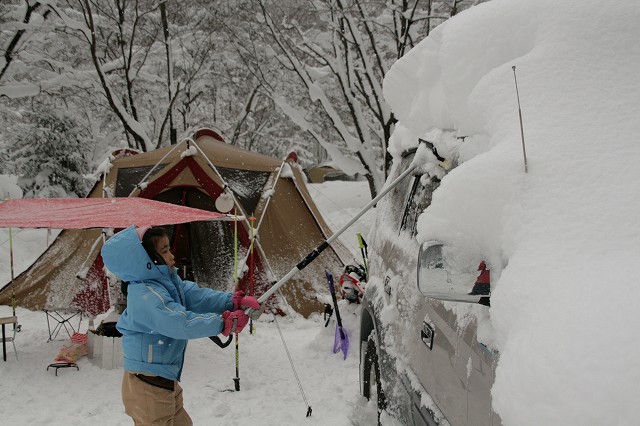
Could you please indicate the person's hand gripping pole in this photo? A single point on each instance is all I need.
(249, 304)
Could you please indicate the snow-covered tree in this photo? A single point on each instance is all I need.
(47, 155)
(17, 18)
(269, 75)
(339, 51)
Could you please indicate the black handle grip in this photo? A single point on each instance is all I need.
(217, 341)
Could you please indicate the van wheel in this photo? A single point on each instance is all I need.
(372, 387)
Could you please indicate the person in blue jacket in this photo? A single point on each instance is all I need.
(162, 313)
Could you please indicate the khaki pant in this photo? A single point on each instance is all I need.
(150, 405)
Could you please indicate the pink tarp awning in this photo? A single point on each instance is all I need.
(79, 213)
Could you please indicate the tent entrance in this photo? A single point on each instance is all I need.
(204, 251)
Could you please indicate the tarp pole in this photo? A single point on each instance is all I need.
(13, 295)
(251, 267)
(103, 236)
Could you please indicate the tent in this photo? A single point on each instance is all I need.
(198, 173)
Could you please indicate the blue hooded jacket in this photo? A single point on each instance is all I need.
(163, 311)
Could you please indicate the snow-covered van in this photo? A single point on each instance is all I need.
(529, 201)
(420, 358)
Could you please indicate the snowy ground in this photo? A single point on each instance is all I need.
(269, 393)
(562, 237)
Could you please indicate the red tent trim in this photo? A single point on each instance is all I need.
(214, 191)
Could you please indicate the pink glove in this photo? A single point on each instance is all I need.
(241, 301)
(234, 322)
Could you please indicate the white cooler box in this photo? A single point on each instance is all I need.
(105, 352)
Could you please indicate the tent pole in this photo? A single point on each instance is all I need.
(271, 192)
(255, 230)
(138, 185)
(236, 203)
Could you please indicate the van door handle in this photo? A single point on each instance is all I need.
(387, 285)
(426, 334)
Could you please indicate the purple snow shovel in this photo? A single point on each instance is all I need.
(341, 340)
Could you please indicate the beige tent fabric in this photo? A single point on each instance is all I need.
(220, 153)
(287, 234)
(292, 226)
(52, 281)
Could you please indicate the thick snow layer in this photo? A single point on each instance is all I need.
(564, 237)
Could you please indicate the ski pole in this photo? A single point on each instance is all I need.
(365, 254)
(236, 380)
(322, 246)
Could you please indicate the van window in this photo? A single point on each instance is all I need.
(398, 196)
(419, 199)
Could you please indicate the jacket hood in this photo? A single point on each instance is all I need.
(124, 255)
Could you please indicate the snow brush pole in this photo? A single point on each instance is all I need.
(524, 152)
(322, 246)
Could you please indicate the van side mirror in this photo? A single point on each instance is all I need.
(439, 280)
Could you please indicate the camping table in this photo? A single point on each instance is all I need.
(4, 321)
(62, 317)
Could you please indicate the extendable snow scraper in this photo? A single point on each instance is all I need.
(322, 246)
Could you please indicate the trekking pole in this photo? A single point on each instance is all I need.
(322, 246)
(236, 380)
(524, 152)
(365, 254)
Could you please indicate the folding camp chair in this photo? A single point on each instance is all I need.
(62, 320)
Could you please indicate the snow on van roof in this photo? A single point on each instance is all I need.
(565, 235)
